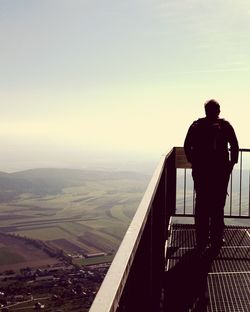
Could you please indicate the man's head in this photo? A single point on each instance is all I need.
(212, 109)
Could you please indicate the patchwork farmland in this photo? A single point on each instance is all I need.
(78, 212)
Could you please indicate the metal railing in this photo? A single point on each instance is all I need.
(134, 280)
(238, 200)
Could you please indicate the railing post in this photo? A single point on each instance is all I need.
(148, 267)
(170, 184)
(137, 293)
(240, 183)
(159, 227)
(145, 281)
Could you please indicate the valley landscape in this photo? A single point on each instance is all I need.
(77, 211)
(59, 232)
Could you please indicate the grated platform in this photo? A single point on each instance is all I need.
(207, 282)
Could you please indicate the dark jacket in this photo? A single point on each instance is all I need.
(206, 143)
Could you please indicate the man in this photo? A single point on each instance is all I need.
(206, 148)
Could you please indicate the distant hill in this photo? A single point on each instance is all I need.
(44, 181)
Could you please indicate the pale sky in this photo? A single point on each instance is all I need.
(87, 79)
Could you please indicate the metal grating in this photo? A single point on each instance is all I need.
(183, 236)
(237, 236)
(229, 292)
(209, 282)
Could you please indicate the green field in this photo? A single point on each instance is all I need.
(94, 260)
(85, 217)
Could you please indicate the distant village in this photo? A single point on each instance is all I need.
(66, 285)
(54, 288)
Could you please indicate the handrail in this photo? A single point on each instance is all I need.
(238, 188)
(109, 296)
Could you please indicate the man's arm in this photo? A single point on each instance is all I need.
(234, 146)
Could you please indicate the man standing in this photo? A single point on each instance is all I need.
(206, 148)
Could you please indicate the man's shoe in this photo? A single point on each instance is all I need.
(216, 247)
(218, 243)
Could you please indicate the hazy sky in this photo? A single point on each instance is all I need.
(84, 79)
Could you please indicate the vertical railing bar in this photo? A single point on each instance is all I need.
(249, 194)
(150, 261)
(240, 183)
(165, 198)
(231, 193)
(193, 198)
(185, 183)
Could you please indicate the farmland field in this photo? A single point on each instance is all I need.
(17, 253)
(8, 257)
(74, 211)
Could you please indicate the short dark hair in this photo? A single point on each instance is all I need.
(212, 107)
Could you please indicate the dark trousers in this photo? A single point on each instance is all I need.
(210, 185)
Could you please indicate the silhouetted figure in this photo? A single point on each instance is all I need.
(206, 148)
